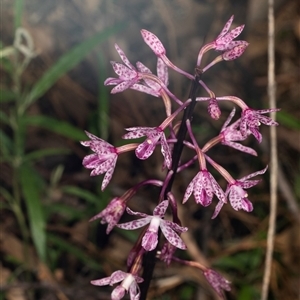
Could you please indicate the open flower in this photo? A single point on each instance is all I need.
(217, 281)
(112, 213)
(251, 120)
(129, 284)
(204, 186)
(168, 228)
(149, 86)
(238, 197)
(128, 74)
(154, 136)
(230, 135)
(225, 40)
(103, 160)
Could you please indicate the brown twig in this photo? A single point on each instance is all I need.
(274, 159)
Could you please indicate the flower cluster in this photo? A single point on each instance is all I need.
(204, 186)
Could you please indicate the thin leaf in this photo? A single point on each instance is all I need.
(6, 96)
(69, 213)
(5, 144)
(6, 194)
(103, 98)
(288, 120)
(81, 193)
(31, 187)
(18, 11)
(67, 62)
(69, 248)
(38, 154)
(59, 127)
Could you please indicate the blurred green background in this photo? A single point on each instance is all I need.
(54, 58)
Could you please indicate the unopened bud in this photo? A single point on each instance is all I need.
(213, 109)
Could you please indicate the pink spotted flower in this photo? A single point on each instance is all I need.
(150, 86)
(154, 136)
(129, 283)
(237, 195)
(156, 221)
(225, 43)
(225, 40)
(251, 120)
(103, 160)
(112, 213)
(128, 74)
(231, 134)
(217, 281)
(105, 157)
(204, 186)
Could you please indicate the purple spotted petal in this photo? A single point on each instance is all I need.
(118, 292)
(172, 237)
(142, 68)
(224, 41)
(134, 291)
(226, 27)
(135, 224)
(248, 184)
(236, 51)
(144, 89)
(217, 281)
(124, 85)
(162, 71)
(135, 213)
(136, 132)
(254, 174)
(124, 57)
(111, 214)
(217, 190)
(153, 42)
(117, 276)
(161, 208)
(166, 152)
(150, 240)
(217, 209)
(145, 150)
(101, 282)
(231, 115)
(238, 199)
(176, 227)
(241, 148)
(124, 72)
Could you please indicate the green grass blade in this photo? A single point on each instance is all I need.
(72, 249)
(18, 11)
(38, 154)
(288, 120)
(103, 98)
(81, 193)
(67, 62)
(5, 145)
(59, 127)
(6, 96)
(31, 188)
